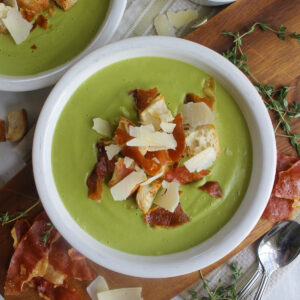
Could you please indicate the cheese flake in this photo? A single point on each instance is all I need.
(167, 127)
(169, 198)
(97, 286)
(112, 150)
(17, 26)
(128, 162)
(121, 294)
(181, 18)
(151, 179)
(122, 190)
(196, 114)
(163, 26)
(202, 160)
(102, 126)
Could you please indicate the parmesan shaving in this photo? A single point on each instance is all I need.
(112, 150)
(151, 179)
(16, 25)
(169, 198)
(163, 26)
(202, 160)
(167, 127)
(121, 294)
(102, 126)
(123, 189)
(128, 162)
(181, 18)
(196, 114)
(97, 286)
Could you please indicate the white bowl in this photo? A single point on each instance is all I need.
(213, 2)
(261, 182)
(37, 81)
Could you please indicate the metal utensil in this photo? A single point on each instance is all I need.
(279, 247)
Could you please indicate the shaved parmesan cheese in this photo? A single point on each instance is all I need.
(17, 26)
(169, 198)
(3, 10)
(112, 150)
(143, 150)
(102, 126)
(167, 127)
(140, 131)
(163, 26)
(97, 286)
(202, 160)
(151, 179)
(156, 113)
(181, 18)
(196, 114)
(121, 294)
(123, 189)
(128, 162)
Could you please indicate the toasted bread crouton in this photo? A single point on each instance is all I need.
(3, 29)
(65, 4)
(146, 195)
(3, 13)
(201, 138)
(33, 6)
(17, 125)
(2, 131)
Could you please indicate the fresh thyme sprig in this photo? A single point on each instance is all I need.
(6, 218)
(220, 292)
(46, 235)
(275, 99)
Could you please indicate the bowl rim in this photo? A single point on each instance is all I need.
(263, 169)
(47, 78)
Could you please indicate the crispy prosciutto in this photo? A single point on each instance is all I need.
(120, 172)
(183, 176)
(69, 261)
(179, 136)
(48, 290)
(19, 230)
(103, 167)
(213, 188)
(143, 98)
(30, 258)
(288, 185)
(196, 99)
(122, 132)
(159, 216)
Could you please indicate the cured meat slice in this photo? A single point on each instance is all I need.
(179, 136)
(143, 98)
(159, 216)
(122, 132)
(183, 176)
(30, 259)
(278, 209)
(288, 184)
(103, 167)
(120, 172)
(212, 188)
(19, 230)
(49, 291)
(69, 261)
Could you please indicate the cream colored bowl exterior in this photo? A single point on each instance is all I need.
(50, 77)
(260, 186)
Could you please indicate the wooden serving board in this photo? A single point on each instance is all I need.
(271, 61)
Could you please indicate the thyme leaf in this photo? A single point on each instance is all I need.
(46, 234)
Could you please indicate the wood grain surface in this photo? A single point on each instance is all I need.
(271, 61)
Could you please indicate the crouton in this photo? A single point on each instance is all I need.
(3, 12)
(65, 4)
(200, 138)
(146, 195)
(2, 131)
(3, 29)
(17, 125)
(33, 6)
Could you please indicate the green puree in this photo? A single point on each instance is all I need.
(69, 34)
(119, 224)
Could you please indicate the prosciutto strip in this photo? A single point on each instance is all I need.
(122, 132)
(159, 216)
(30, 258)
(212, 188)
(19, 230)
(120, 172)
(183, 176)
(179, 136)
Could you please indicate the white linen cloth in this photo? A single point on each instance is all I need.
(137, 21)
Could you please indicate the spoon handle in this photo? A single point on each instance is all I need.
(251, 282)
(262, 286)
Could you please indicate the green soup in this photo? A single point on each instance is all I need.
(68, 34)
(119, 224)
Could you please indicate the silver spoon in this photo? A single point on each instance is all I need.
(279, 247)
